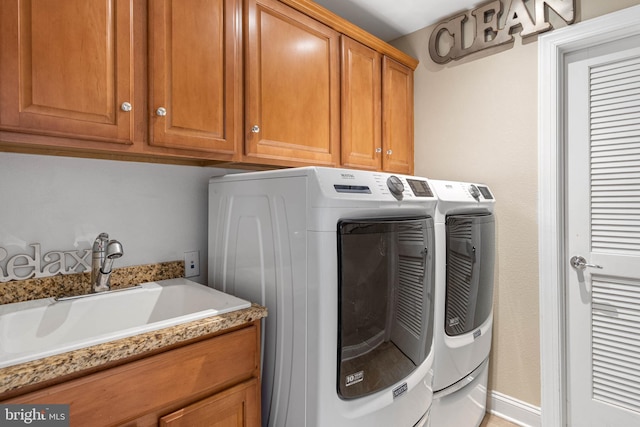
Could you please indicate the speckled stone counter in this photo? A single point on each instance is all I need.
(73, 362)
(78, 284)
(49, 368)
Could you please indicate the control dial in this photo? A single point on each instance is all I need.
(395, 186)
(475, 193)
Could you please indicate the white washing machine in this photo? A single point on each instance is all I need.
(344, 262)
(465, 252)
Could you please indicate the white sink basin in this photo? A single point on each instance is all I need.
(34, 329)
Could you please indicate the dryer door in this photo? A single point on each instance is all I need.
(470, 264)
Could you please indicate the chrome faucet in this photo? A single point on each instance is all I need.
(104, 252)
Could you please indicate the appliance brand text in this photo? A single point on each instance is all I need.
(400, 390)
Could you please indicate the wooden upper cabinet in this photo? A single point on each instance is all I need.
(66, 68)
(397, 117)
(361, 143)
(292, 83)
(263, 82)
(196, 75)
(377, 110)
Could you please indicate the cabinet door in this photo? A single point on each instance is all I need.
(66, 68)
(361, 128)
(397, 117)
(236, 407)
(156, 385)
(293, 92)
(195, 75)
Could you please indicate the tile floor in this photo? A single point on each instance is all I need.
(494, 421)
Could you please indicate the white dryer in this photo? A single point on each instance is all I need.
(465, 257)
(344, 262)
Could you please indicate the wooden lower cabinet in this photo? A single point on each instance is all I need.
(214, 382)
(230, 408)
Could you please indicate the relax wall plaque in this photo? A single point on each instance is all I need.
(27, 266)
(527, 17)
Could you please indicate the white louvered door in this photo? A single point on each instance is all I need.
(603, 226)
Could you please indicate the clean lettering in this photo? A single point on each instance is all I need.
(447, 41)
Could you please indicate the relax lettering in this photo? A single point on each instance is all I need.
(24, 266)
(487, 31)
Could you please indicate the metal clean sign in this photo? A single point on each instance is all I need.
(449, 42)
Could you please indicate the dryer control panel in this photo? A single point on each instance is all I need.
(461, 191)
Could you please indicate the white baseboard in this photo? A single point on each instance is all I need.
(513, 410)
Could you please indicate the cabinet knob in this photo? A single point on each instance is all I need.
(161, 112)
(126, 107)
(255, 129)
(389, 152)
(378, 150)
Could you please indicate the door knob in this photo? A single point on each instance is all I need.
(579, 263)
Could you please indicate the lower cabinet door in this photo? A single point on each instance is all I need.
(236, 407)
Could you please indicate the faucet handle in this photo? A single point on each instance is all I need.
(98, 261)
(100, 243)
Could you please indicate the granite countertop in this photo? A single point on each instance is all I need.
(73, 362)
(49, 368)
(78, 284)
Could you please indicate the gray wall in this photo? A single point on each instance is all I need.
(157, 211)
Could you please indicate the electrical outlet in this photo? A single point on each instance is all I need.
(191, 264)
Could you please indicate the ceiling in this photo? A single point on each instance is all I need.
(390, 19)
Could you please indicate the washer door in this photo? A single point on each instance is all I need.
(385, 314)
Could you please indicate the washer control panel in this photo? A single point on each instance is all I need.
(362, 185)
(396, 187)
(420, 187)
